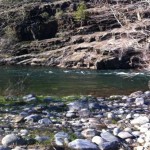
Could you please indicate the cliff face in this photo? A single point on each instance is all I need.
(114, 35)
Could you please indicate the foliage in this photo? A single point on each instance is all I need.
(81, 14)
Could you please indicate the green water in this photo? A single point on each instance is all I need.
(60, 82)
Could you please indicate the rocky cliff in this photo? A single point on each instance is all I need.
(114, 34)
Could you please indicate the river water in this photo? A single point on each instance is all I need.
(64, 82)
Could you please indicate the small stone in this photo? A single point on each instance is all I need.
(97, 140)
(147, 93)
(108, 136)
(41, 138)
(125, 135)
(45, 121)
(11, 139)
(81, 144)
(70, 114)
(77, 105)
(59, 138)
(29, 98)
(139, 148)
(128, 129)
(19, 119)
(24, 132)
(139, 101)
(116, 131)
(136, 133)
(32, 118)
(84, 113)
(136, 94)
(88, 133)
(129, 116)
(145, 127)
(110, 115)
(140, 140)
(140, 120)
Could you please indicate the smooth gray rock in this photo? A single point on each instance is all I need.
(32, 118)
(42, 138)
(4, 148)
(136, 133)
(109, 137)
(116, 131)
(109, 146)
(139, 101)
(45, 121)
(77, 105)
(29, 98)
(140, 120)
(81, 144)
(94, 105)
(11, 139)
(24, 132)
(136, 94)
(88, 133)
(84, 113)
(60, 138)
(125, 135)
(70, 114)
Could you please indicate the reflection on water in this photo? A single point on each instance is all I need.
(50, 81)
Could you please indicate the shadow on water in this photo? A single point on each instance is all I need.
(63, 82)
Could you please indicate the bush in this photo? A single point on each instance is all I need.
(81, 14)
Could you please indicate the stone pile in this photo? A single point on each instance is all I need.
(87, 123)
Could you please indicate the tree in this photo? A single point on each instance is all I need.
(81, 14)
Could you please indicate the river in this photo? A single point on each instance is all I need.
(64, 82)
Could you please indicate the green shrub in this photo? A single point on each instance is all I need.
(81, 14)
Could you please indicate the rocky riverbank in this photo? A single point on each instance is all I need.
(113, 35)
(76, 123)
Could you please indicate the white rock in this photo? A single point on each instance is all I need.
(139, 101)
(9, 139)
(147, 93)
(88, 133)
(136, 133)
(140, 140)
(97, 140)
(24, 132)
(139, 148)
(110, 115)
(125, 135)
(45, 121)
(116, 131)
(59, 138)
(145, 127)
(128, 130)
(140, 120)
(129, 116)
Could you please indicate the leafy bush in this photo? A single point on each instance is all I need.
(81, 14)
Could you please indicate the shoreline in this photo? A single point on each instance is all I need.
(115, 122)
